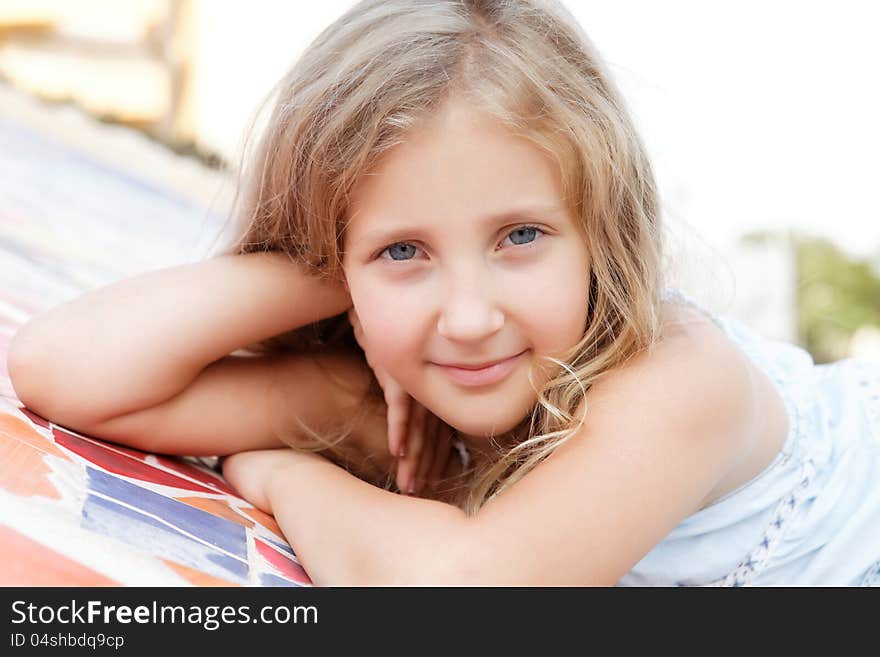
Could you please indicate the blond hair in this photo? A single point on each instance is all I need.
(384, 68)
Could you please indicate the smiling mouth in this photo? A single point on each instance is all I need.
(484, 375)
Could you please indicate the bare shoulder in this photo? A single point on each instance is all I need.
(694, 362)
(769, 424)
(696, 370)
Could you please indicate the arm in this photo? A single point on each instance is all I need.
(586, 515)
(242, 403)
(345, 531)
(141, 341)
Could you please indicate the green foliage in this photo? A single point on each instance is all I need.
(836, 293)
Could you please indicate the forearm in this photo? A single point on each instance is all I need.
(140, 341)
(347, 532)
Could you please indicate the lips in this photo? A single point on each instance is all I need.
(463, 366)
(485, 375)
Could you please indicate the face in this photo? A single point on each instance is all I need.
(460, 251)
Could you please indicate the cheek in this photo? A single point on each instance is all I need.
(389, 319)
(553, 313)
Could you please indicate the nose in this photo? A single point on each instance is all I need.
(469, 314)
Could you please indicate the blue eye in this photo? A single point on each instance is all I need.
(520, 236)
(527, 234)
(402, 248)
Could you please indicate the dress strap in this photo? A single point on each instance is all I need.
(463, 453)
(673, 294)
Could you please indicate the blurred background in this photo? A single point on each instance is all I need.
(121, 122)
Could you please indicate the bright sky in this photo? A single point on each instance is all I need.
(758, 115)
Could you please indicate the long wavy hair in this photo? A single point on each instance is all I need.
(384, 68)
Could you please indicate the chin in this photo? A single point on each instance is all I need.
(482, 428)
(480, 417)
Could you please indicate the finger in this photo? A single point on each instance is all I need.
(406, 466)
(429, 450)
(404, 462)
(432, 425)
(398, 412)
(443, 449)
(399, 405)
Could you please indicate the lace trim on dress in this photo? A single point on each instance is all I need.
(756, 560)
(872, 577)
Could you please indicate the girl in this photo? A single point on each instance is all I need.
(451, 220)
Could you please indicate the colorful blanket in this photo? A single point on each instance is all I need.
(76, 510)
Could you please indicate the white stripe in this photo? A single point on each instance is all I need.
(165, 522)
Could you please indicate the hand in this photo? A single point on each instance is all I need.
(416, 437)
(432, 439)
(396, 398)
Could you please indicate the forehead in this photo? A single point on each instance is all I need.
(463, 163)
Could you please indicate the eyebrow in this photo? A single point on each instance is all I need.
(394, 234)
